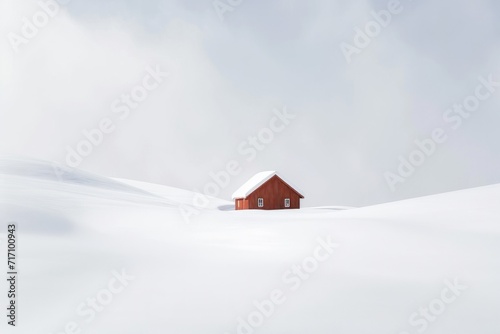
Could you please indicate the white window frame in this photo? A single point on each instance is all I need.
(260, 202)
(287, 202)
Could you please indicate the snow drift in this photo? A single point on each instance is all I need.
(99, 255)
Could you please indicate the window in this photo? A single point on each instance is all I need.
(287, 202)
(260, 202)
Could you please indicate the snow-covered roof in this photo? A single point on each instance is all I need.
(255, 182)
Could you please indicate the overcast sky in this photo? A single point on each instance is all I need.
(232, 68)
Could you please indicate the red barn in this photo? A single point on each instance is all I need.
(266, 191)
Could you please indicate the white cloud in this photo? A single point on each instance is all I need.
(226, 77)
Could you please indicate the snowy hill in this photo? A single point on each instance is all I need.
(99, 255)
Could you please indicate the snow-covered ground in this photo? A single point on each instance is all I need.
(99, 255)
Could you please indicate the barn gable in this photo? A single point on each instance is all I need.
(256, 182)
